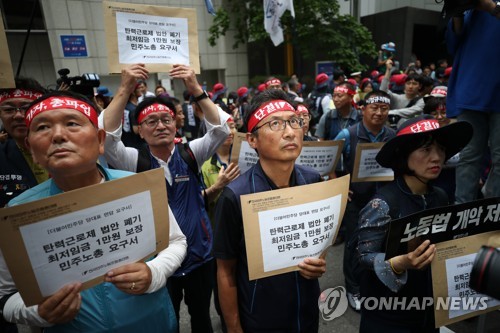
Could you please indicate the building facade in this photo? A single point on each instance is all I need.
(43, 55)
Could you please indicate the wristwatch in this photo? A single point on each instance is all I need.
(202, 96)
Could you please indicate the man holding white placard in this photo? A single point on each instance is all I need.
(64, 139)
(280, 303)
(371, 129)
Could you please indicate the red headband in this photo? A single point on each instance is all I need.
(302, 109)
(344, 90)
(273, 82)
(19, 93)
(438, 91)
(61, 102)
(419, 127)
(154, 108)
(266, 109)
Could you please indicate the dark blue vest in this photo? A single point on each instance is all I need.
(188, 207)
(282, 301)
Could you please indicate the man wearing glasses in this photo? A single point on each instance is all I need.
(156, 119)
(372, 128)
(285, 302)
(18, 171)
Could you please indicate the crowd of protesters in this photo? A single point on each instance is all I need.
(60, 141)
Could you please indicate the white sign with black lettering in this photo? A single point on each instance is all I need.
(290, 234)
(85, 244)
(152, 39)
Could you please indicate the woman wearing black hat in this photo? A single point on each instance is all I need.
(416, 155)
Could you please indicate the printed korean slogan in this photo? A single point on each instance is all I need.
(282, 227)
(157, 36)
(322, 156)
(443, 224)
(80, 235)
(366, 168)
(454, 300)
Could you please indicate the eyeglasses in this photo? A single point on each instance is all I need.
(153, 122)
(280, 124)
(12, 110)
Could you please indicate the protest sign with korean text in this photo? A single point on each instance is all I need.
(454, 300)
(282, 227)
(6, 71)
(366, 168)
(443, 224)
(322, 156)
(157, 36)
(82, 234)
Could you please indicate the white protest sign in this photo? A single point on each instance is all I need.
(85, 244)
(458, 275)
(152, 39)
(290, 234)
(366, 168)
(156, 36)
(284, 226)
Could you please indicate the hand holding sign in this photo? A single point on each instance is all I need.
(420, 258)
(188, 75)
(132, 279)
(63, 306)
(312, 268)
(130, 75)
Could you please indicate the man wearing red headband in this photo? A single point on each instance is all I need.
(65, 140)
(273, 83)
(181, 165)
(282, 303)
(344, 115)
(18, 171)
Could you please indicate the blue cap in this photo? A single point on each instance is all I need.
(104, 91)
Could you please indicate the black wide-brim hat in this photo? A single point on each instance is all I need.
(454, 137)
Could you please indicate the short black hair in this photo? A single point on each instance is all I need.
(26, 83)
(414, 76)
(432, 103)
(400, 166)
(152, 100)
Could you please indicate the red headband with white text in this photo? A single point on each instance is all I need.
(61, 102)
(420, 127)
(302, 109)
(156, 107)
(19, 93)
(344, 90)
(266, 109)
(273, 82)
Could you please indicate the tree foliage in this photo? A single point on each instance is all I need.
(317, 29)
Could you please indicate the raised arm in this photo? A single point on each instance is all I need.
(192, 86)
(114, 112)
